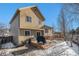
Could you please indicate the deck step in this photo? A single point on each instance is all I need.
(45, 46)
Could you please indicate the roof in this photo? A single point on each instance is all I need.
(47, 27)
(33, 8)
(33, 28)
(17, 11)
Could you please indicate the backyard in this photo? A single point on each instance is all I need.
(58, 48)
(39, 31)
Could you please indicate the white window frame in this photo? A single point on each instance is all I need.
(30, 20)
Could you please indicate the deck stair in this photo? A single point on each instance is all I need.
(40, 46)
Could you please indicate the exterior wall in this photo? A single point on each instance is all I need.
(14, 28)
(27, 25)
(22, 36)
(33, 32)
(19, 25)
(50, 33)
(20, 22)
(22, 39)
(35, 20)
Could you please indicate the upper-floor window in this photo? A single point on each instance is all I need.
(28, 19)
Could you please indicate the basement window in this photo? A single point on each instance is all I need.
(28, 19)
(27, 33)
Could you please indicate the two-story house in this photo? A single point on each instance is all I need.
(27, 22)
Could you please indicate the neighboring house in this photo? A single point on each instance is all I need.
(28, 22)
(4, 32)
(48, 31)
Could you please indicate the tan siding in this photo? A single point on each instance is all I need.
(19, 25)
(50, 33)
(35, 20)
(38, 13)
(15, 26)
(23, 39)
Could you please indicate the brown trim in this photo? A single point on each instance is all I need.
(30, 29)
(37, 13)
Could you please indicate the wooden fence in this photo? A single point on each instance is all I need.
(6, 39)
(54, 37)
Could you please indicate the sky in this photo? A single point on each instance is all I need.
(49, 11)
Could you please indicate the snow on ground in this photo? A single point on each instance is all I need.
(58, 48)
(71, 51)
(62, 49)
(4, 52)
(7, 45)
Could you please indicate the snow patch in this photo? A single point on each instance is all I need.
(8, 45)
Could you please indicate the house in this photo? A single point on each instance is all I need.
(28, 22)
(47, 30)
(4, 32)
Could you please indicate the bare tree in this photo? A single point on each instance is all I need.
(69, 16)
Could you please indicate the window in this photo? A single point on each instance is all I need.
(27, 33)
(38, 33)
(28, 19)
(46, 30)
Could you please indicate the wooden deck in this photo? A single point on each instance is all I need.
(40, 46)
